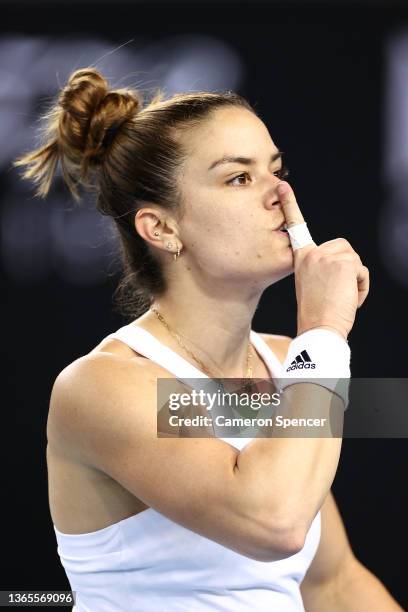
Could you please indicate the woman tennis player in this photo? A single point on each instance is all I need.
(196, 188)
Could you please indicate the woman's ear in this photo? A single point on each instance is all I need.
(157, 228)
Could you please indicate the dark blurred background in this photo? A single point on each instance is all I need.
(330, 79)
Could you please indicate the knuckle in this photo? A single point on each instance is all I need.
(313, 256)
(342, 264)
(329, 257)
(345, 243)
(342, 242)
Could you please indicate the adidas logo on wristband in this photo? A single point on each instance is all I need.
(302, 362)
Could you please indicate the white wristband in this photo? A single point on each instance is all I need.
(320, 356)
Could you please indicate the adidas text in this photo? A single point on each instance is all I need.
(302, 366)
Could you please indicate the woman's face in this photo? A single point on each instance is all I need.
(232, 207)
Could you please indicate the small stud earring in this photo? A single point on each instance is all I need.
(169, 245)
(156, 234)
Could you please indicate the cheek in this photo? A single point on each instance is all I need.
(214, 229)
(219, 237)
(205, 221)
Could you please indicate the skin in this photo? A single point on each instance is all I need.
(229, 251)
(336, 580)
(229, 255)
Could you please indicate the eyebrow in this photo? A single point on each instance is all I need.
(247, 161)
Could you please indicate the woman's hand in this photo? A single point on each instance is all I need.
(331, 281)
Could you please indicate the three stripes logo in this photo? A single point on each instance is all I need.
(302, 362)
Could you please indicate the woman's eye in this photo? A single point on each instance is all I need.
(240, 176)
(282, 173)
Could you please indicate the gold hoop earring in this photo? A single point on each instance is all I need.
(176, 254)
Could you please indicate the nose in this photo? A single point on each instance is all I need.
(271, 198)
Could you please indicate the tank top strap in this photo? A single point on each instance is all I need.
(146, 344)
(263, 349)
(143, 342)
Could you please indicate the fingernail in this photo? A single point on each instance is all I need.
(281, 188)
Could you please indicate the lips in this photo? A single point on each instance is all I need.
(281, 228)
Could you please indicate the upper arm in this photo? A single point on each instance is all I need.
(103, 408)
(334, 553)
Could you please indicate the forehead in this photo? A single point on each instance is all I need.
(228, 131)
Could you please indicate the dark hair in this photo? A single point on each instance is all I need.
(103, 139)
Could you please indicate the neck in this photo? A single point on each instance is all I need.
(215, 328)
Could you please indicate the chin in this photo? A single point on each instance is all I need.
(275, 276)
(270, 277)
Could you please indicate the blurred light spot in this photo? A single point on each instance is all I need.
(393, 220)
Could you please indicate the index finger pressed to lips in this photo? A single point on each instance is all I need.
(290, 207)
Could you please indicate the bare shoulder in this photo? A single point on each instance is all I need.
(100, 371)
(278, 343)
(87, 393)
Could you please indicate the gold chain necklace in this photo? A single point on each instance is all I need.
(200, 363)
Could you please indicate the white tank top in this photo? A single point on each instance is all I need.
(148, 563)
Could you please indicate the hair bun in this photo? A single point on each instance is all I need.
(92, 115)
(78, 129)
